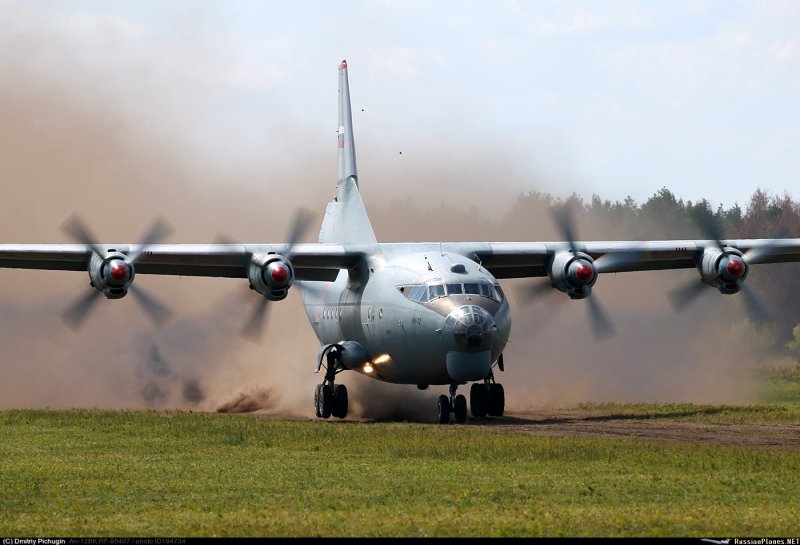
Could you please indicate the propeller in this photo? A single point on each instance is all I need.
(684, 295)
(532, 291)
(602, 327)
(75, 315)
(77, 312)
(681, 297)
(601, 324)
(254, 328)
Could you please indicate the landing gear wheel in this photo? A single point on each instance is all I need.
(497, 400)
(339, 409)
(460, 409)
(324, 401)
(479, 400)
(317, 394)
(443, 409)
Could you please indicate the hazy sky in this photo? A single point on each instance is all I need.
(610, 97)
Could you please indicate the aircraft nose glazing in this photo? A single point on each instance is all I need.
(472, 327)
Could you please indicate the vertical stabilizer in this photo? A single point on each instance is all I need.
(347, 149)
(346, 219)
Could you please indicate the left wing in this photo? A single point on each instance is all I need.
(532, 259)
(573, 266)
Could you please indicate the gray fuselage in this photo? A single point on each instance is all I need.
(423, 318)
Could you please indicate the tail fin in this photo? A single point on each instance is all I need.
(346, 218)
(347, 148)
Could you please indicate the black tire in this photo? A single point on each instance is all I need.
(339, 409)
(497, 400)
(326, 401)
(478, 400)
(443, 410)
(317, 396)
(460, 409)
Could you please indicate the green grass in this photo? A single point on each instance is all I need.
(105, 473)
(781, 384)
(762, 413)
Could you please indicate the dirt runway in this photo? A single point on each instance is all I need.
(664, 426)
(576, 422)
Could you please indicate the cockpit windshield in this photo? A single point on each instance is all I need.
(472, 289)
(455, 289)
(422, 293)
(436, 290)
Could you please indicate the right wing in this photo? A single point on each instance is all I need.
(311, 261)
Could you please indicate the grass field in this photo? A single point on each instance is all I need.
(106, 473)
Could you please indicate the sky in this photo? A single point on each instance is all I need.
(613, 98)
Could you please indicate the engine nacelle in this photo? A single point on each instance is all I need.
(724, 269)
(270, 275)
(111, 274)
(573, 273)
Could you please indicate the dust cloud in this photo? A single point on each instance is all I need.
(76, 137)
(73, 139)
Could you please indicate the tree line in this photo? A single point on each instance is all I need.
(665, 216)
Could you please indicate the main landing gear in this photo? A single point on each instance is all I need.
(487, 398)
(331, 399)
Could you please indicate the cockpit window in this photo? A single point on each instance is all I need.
(423, 293)
(454, 289)
(416, 293)
(435, 290)
(472, 289)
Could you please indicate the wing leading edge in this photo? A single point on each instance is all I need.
(322, 261)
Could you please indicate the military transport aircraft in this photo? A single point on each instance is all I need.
(424, 313)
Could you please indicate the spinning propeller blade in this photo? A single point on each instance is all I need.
(255, 326)
(78, 311)
(159, 230)
(158, 313)
(602, 327)
(75, 227)
(684, 295)
(254, 329)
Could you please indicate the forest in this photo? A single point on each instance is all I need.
(665, 216)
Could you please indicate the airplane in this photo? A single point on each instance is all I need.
(423, 313)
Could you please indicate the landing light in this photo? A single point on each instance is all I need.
(383, 358)
(368, 368)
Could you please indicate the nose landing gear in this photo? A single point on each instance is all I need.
(457, 404)
(487, 398)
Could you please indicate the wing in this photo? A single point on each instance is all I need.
(573, 267)
(322, 261)
(532, 259)
(310, 261)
